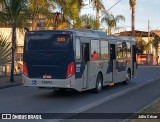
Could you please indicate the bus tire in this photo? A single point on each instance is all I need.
(128, 77)
(98, 87)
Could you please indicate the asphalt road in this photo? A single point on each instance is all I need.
(32, 100)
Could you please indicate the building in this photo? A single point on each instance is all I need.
(149, 55)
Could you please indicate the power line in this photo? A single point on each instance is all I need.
(113, 5)
(106, 11)
(124, 25)
(157, 27)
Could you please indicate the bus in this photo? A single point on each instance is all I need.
(79, 59)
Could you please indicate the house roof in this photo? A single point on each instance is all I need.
(137, 33)
(156, 33)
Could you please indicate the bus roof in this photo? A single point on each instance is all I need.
(88, 33)
(99, 34)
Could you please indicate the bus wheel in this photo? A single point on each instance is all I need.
(98, 87)
(128, 77)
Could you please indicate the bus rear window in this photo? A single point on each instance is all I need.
(47, 42)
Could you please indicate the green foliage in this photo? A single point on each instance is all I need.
(40, 10)
(155, 42)
(13, 13)
(98, 5)
(141, 45)
(71, 10)
(111, 21)
(5, 50)
(88, 21)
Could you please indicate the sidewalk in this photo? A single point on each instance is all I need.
(5, 81)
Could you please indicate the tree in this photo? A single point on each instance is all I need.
(132, 6)
(13, 15)
(88, 21)
(140, 46)
(111, 21)
(5, 50)
(155, 42)
(98, 5)
(37, 9)
(71, 10)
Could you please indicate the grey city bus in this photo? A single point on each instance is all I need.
(77, 59)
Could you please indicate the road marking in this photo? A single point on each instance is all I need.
(101, 101)
(150, 80)
(150, 66)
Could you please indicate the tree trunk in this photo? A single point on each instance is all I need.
(13, 52)
(141, 58)
(157, 56)
(34, 22)
(133, 21)
(97, 18)
(109, 31)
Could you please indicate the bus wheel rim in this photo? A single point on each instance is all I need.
(127, 76)
(99, 85)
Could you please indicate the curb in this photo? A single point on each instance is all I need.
(10, 85)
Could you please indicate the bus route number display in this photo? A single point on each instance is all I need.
(61, 39)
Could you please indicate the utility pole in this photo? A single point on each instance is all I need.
(148, 31)
(148, 57)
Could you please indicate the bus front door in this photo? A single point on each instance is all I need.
(134, 63)
(85, 60)
(113, 62)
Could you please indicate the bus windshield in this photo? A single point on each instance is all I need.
(47, 42)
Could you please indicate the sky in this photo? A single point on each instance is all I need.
(145, 10)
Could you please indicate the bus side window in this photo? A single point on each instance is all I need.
(119, 50)
(94, 55)
(104, 49)
(95, 49)
(78, 50)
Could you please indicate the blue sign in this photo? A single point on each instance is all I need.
(34, 82)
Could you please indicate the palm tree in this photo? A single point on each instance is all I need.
(37, 9)
(111, 21)
(155, 42)
(98, 5)
(13, 15)
(5, 50)
(88, 21)
(132, 5)
(71, 10)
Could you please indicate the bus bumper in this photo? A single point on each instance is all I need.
(50, 83)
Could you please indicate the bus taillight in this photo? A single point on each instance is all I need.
(70, 70)
(25, 70)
